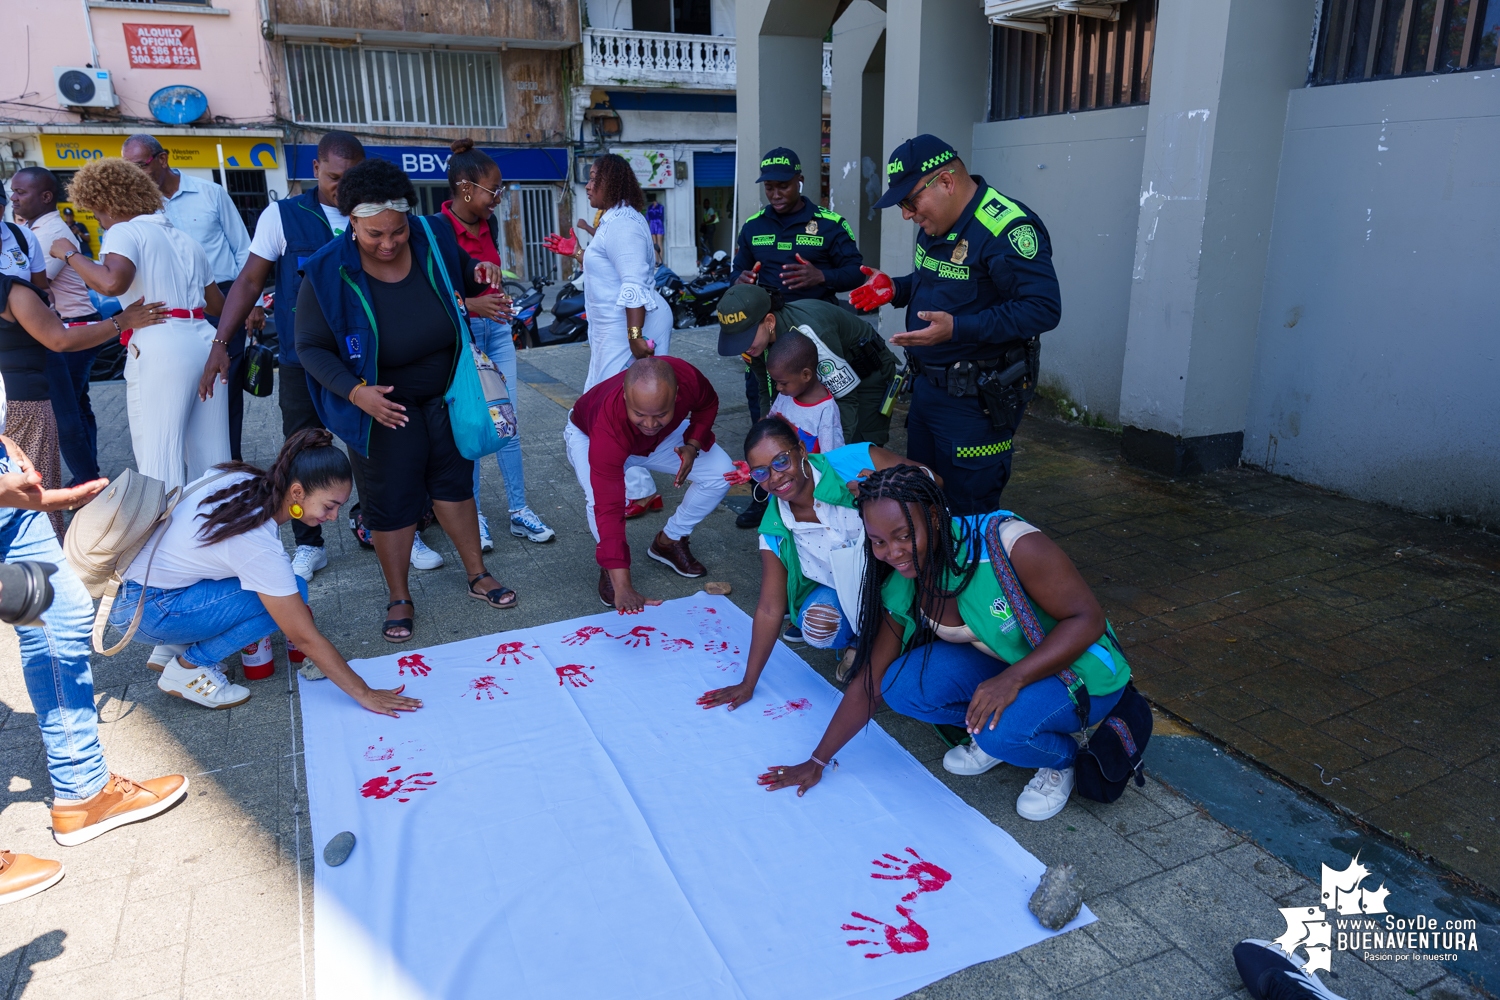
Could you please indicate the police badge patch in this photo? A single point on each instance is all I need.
(1023, 238)
(812, 227)
(960, 252)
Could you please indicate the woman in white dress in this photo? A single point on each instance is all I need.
(176, 436)
(628, 318)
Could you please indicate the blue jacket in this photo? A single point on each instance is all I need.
(307, 231)
(343, 293)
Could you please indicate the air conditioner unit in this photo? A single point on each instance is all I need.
(1032, 15)
(84, 87)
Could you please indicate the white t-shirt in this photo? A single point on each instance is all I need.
(182, 559)
(20, 261)
(170, 266)
(70, 296)
(269, 241)
(819, 425)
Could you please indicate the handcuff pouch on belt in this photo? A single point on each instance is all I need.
(1005, 390)
(864, 357)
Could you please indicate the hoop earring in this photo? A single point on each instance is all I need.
(296, 510)
(756, 489)
(467, 198)
(806, 469)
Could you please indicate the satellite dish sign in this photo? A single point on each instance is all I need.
(178, 105)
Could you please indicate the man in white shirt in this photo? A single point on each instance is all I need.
(34, 194)
(204, 211)
(21, 254)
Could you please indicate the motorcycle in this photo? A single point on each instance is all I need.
(696, 304)
(569, 318)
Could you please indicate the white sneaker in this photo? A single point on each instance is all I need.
(968, 760)
(205, 686)
(1045, 795)
(164, 654)
(486, 543)
(307, 560)
(422, 557)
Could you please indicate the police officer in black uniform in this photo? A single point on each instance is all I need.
(802, 249)
(982, 292)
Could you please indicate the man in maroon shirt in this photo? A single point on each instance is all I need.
(658, 413)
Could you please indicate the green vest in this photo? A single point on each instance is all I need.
(832, 490)
(983, 607)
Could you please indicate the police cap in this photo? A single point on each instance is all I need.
(780, 164)
(740, 312)
(912, 160)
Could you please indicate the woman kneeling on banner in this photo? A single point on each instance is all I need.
(812, 545)
(217, 579)
(949, 647)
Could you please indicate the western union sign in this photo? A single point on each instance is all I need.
(69, 152)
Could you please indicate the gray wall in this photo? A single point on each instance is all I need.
(1378, 353)
(1081, 174)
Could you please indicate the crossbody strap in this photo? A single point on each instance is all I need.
(1020, 605)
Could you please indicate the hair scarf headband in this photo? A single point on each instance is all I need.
(368, 208)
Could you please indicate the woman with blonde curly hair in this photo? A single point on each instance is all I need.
(176, 436)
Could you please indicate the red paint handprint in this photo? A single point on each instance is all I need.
(574, 674)
(637, 637)
(377, 752)
(415, 664)
(673, 645)
(717, 648)
(903, 940)
(485, 685)
(384, 787)
(508, 651)
(928, 876)
(782, 711)
(581, 636)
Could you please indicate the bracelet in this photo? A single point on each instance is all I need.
(222, 343)
(362, 384)
(635, 332)
(118, 332)
(832, 762)
(929, 473)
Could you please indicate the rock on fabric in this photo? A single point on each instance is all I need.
(561, 820)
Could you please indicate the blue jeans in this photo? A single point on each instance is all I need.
(1032, 732)
(55, 658)
(829, 626)
(77, 431)
(214, 617)
(493, 338)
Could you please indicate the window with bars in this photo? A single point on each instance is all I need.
(1378, 39)
(358, 85)
(1080, 63)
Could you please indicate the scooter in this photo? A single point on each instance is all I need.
(570, 323)
(526, 306)
(701, 296)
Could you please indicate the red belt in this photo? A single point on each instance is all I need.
(197, 313)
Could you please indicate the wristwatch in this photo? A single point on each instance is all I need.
(69, 255)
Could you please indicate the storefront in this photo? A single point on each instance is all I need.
(247, 161)
(533, 176)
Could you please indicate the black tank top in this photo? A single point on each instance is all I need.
(23, 361)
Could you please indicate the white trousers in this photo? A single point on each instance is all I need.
(707, 477)
(609, 355)
(175, 436)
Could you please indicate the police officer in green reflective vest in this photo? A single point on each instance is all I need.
(982, 292)
(793, 245)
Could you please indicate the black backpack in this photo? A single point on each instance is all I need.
(1114, 751)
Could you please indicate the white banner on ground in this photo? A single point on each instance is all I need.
(561, 820)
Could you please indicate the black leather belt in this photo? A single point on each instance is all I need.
(961, 377)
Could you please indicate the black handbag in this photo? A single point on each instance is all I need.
(260, 369)
(1114, 751)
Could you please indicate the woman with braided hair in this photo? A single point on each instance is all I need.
(948, 647)
(215, 578)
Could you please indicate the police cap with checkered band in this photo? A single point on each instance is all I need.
(913, 160)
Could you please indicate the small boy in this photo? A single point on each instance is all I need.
(802, 400)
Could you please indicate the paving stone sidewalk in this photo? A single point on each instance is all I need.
(214, 898)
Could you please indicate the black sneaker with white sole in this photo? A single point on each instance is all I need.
(1270, 974)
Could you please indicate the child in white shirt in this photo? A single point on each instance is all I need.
(802, 400)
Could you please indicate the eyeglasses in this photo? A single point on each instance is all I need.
(780, 463)
(493, 194)
(907, 202)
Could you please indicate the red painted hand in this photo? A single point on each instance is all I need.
(874, 293)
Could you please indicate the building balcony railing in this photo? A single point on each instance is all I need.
(650, 58)
(827, 65)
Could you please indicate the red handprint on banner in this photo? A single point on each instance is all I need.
(574, 674)
(415, 664)
(384, 786)
(508, 651)
(903, 940)
(636, 637)
(928, 876)
(376, 751)
(581, 636)
(781, 711)
(486, 685)
(673, 645)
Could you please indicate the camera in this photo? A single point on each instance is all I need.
(25, 592)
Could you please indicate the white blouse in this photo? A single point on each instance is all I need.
(620, 264)
(835, 528)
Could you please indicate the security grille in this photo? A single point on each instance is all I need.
(1080, 63)
(1374, 39)
(538, 218)
(356, 85)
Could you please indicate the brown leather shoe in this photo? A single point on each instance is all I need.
(675, 554)
(606, 589)
(22, 875)
(119, 802)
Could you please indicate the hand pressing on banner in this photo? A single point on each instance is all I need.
(563, 246)
(803, 775)
(800, 275)
(749, 277)
(874, 293)
(733, 696)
